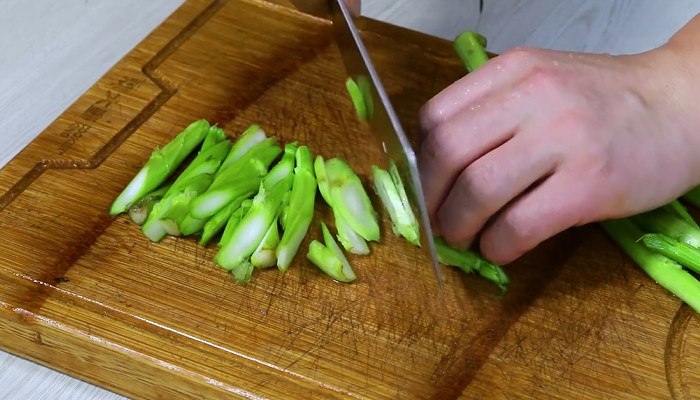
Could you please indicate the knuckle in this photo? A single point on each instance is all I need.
(439, 146)
(431, 149)
(455, 234)
(478, 183)
(520, 229)
(543, 77)
(428, 115)
(519, 57)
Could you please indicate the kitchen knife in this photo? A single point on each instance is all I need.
(382, 118)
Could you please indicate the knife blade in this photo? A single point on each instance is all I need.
(383, 121)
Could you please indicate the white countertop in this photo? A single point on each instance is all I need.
(53, 51)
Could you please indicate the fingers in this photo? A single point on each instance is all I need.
(453, 145)
(499, 74)
(554, 206)
(490, 183)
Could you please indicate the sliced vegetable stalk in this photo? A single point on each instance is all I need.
(669, 223)
(190, 226)
(322, 178)
(349, 198)
(242, 176)
(411, 230)
(163, 219)
(330, 258)
(351, 241)
(139, 211)
(664, 271)
(234, 220)
(301, 206)
(357, 98)
(285, 210)
(243, 272)
(248, 139)
(168, 214)
(403, 221)
(161, 165)
(684, 254)
(265, 256)
(214, 136)
(248, 234)
(218, 221)
(284, 169)
(470, 261)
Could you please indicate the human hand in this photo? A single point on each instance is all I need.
(537, 141)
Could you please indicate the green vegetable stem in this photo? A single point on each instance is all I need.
(470, 47)
(301, 206)
(329, 258)
(666, 272)
(161, 165)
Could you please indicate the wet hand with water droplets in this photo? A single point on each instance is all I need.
(537, 141)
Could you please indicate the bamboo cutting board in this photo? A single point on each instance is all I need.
(87, 294)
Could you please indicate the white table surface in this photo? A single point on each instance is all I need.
(51, 51)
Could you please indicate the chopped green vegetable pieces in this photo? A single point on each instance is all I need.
(213, 193)
(240, 177)
(265, 152)
(330, 258)
(190, 225)
(365, 86)
(214, 136)
(391, 192)
(248, 234)
(322, 178)
(664, 271)
(173, 208)
(234, 220)
(686, 255)
(470, 47)
(301, 204)
(349, 198)
(139, 211)
(470, 261)
(206, 163)
(161, 165)
(346, 273)
(165, 215)
(351, 241)
(265, 256)
(357, 98)
(218, 221)
(285, 209)
(242, 272)
(284, 169)
(248, 139)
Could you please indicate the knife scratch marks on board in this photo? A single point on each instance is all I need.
(591, 336)
(275, 69)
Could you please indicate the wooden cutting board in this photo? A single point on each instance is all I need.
(87, 294)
